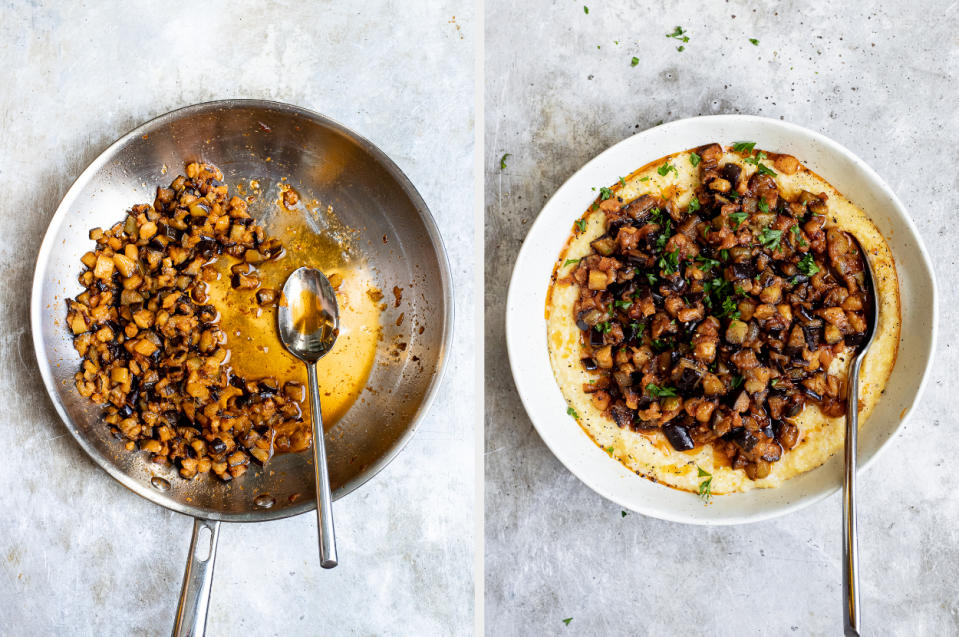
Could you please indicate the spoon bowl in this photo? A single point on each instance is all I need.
(308, 316)
(308, 319)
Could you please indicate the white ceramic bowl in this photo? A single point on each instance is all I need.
(526, 325)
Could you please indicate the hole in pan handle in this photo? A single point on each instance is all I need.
(197, 580)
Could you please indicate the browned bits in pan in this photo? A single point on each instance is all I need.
(152, 349)
(717, 324)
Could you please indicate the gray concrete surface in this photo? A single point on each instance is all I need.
(79, 555)
(879, 77)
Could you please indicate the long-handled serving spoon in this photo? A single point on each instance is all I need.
(308, 319)
(850, 543)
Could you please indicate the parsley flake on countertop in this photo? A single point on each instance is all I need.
(634, 61)
(679, 33)
(754, 41)
(502, 161)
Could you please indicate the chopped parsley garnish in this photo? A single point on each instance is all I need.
(755, 160)
(644, 179)
(608, 450)
(774, 382)
(724, 254)
(737, 381)
(807, 265)
(770, 238)
(624, 513)
(679, 33)
(737, 218)
(730, 309)
(603, 327)
(707, 264)
(669, 262)
(799, 237)
(572, 412)
(651, 278)
(502, 161)
(622, 181)
(762, 205)
(623, 305)
(569, 619)
(766, 170)
(638, 328)
(744, 147)
(661, 345)
(581, 224)
(571, 262)
(656, 215)
(634, 61)
(715, 289)
(605, 193)
(585, 9)
(706, 486)
(754, 41)
(665, 168)
(664, 236)
(693, 204)
(660, 392)
(694, 159)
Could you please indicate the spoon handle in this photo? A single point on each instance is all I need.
(324, 500)
(850, 542)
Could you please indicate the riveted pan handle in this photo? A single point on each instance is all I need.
(197, 580)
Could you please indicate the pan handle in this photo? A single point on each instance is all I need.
(197, 580)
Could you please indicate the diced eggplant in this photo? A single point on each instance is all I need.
(595, 338)
(605, 245)
(731, 173)
(678, 436)
(744, 270)
(598, 280)
(622, 416)
(623, 379)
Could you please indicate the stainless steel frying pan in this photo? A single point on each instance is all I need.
(266, 141)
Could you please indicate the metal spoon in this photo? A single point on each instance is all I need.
(850, 542)
(308, 320)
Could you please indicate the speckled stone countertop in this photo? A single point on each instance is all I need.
(877, 77)
(80, 555)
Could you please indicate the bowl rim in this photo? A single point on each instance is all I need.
(105, 156)
(518, 350)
